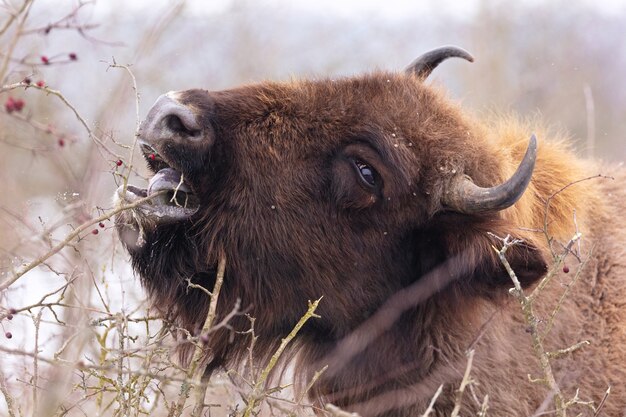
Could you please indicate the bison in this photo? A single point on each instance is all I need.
(379, 194)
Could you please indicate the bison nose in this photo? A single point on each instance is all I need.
(169, 119)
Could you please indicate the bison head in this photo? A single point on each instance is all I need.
(352, 189)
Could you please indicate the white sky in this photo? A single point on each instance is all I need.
(391, 9)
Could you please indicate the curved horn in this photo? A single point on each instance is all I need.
(466, 197)
(424, 64)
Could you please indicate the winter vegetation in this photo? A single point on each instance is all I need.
(77, 335)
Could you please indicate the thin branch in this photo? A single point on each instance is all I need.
(563, 352)
(37, 321)
(464, 382)
(557, 308)
(71, 236)
(65, 101)
(7, 395)
(24, 11)
(338, 412)
(555, 267)
(602, 402)
(430, 408)
(13, 16)
(257, 391)
(137, 119)
(530, 319)
(196, 367)
(553, 195)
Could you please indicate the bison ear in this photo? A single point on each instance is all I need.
(470, 241)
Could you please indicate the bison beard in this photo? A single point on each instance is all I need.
(378, 194)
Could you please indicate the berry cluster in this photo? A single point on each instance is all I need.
(9, 316)
(46, 60)
(96, 231)
(13, 104)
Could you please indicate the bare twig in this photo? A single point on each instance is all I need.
(37, 321)
(464, 382)
(602, 402)
(555, 267)
(196, 368)
(338, 412)
(24, 11)
(71, 236)
(257, 391)
(69, 105)
(14, 15)
(566, 351)
(137, 119)
(433, 400)
(7, 395)
(548, 201)
(530, 319)
(568, 288)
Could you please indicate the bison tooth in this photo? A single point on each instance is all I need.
(167, 179)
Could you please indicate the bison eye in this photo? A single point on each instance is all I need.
(366, 172)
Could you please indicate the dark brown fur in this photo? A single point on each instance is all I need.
(280, 201)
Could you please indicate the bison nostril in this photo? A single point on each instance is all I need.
(176, 125)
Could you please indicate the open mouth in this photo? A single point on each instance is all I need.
(173, 199)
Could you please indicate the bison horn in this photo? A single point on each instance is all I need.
(423, 65)
(466, 197)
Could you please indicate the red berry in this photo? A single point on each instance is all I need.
(19, 104)
(152, 157)
(119, 163)
(27, 81)
(9, 316)
(9, 105)
(40, 83)
(565, 269)
(8, 335)
(73, 56)
(45, 60)
(101, 225)
(61, 142)
(94, 232)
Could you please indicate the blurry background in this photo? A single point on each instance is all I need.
(562, 60)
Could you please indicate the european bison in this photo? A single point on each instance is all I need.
(384, 197)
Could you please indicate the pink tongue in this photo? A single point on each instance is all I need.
(167, 179)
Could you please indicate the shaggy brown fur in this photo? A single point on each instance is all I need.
(408, 285)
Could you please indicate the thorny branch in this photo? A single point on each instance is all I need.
(531, 320)
(131, 388)
(197, 369)
(57, 93)
(464, 383)
(549, 200)
(257, 391)
(529, 316)
(433, 400)
(7, 395)
(23, 11)
(197, 366)
(137, 119)
(338, 412)
(73, 235)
